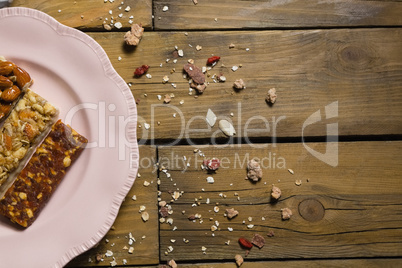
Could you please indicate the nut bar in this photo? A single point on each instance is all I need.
(33, 187)
(27, 124)
(14, 81)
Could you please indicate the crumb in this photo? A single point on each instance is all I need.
(286, 213)
(254, 171)
(134, 36)
(258, 241)
(239, 84)
(275, 192)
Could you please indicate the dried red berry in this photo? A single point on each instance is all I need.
(212, 60)
(245, 243)
(212, 164)
(141, 70)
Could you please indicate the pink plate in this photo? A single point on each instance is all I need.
(73, 72)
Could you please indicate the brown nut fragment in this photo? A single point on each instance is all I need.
(195, 73)
(5, 82)
(275, 192)
(254, 171)
(271, 96)
(231, 213)
(134, 36)
(258, 241)
(6, 67)
(200, 88)
(286, 213)
(239, 84)
(11, 94)
(239, 260)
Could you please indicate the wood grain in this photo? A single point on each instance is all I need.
(361, 198)
(92, 14)
(129, 220)
(241, 14)
(303, 263)
(310, 69)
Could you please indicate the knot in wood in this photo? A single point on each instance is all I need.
(311, 210)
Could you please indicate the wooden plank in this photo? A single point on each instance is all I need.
(352, 210)
(304, 263)
(239, 14)
(357, 68)
(146, 245)
(92, 14)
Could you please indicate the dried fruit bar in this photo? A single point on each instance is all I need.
(26, 125)
(33, 187)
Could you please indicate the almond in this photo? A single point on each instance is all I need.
(23, 78)
(6, 67)
(5, 82)
(30, 131)
(11, 94)
(8, 143)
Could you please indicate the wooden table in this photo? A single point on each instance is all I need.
(335, 128)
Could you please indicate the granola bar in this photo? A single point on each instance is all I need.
(27, 124)
(33, 187)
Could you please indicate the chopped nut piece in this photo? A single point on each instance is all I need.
(195, 73)
(212, 164)
(275, 192)
(232, 45)
(271, 96)
(99, 257)
(167, 98)
(164, 212)
(254, 171)
(145, 216)
(258, 241)
(239, 84)
(210, 180)
(134, 36)
(271, 234)
(239, 260)
(200, 88)
(231, 213)
(172, 264)
(286, 213)
(298, 182)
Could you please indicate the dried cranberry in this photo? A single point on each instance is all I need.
(212, 60)
(141, 70)
(245, 243)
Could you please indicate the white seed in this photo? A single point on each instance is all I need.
(291, 171)
(210, 180)
(227, 128)
(211, 118)
(165, 8)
